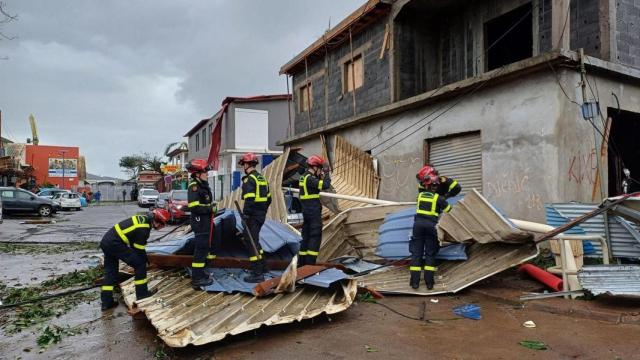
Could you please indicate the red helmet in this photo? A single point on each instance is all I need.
(198, 166)
(315, 160)
(161, 215)
(248, 158)
(425, 173)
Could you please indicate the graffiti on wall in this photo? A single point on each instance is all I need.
(583, 167)
(515, 185)
(398, 173)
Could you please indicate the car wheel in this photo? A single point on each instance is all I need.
(44, 210)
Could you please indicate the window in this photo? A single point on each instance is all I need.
(306, 97)
(8, 194)
(353, 74)
(197, 142)
(204, 137)
(509, 37)
(23, 195)
(210, 132)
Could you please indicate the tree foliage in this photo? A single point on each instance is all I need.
(133, 164)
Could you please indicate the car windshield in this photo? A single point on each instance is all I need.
(163, 196)
(149, 192)
(180, 195)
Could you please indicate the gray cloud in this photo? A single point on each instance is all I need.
(122, 77)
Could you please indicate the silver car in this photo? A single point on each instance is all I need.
(147, 197)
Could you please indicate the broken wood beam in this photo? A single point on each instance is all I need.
(266, 287)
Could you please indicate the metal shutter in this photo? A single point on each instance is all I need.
(458, 157)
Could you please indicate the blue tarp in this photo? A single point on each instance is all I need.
(231, 280)
(325, 278)
(395, 233)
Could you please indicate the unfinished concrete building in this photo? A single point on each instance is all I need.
(493, 93)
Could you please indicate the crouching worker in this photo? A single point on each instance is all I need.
(126, 241)
(424, 240)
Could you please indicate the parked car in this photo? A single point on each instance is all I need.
(177, 205)
(16, 200)
(147, 197)
(0, 209)
(50, 192)
(162, 200)
(68, 200)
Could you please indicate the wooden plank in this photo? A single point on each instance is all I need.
(266, 287)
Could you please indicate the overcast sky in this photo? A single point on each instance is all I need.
(124, 77)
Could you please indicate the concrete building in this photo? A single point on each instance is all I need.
(54, 165)
(489, 92)
(249, 124)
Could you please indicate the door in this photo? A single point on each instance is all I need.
(25, 201)
(458, 157)
(8, 199)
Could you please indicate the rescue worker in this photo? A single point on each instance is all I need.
(126, 241)
(314, 180)
(424, 245)
(200, 203)
(257, 198)
(446, 187)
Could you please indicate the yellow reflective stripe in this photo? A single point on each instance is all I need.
(106, 288)
(140, 282)
(312, 253)
(194, 203)
(259, 183)
(448, 208)
(193, 183)
(303, 253)
(249, 195)
(253, 258)
(424, 198)
(453, 184)
(415, 268)
(320, 184)
(430, 268)
(197, 265)
(261, 251)
(211, 257)
(121, 234)
(305, 194)
(138, 246)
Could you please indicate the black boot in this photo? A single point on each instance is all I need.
(107, 300)
(256, 275)
(428, 279)
(197, 284)
(142, 292)
(302, 260)
(415, 279)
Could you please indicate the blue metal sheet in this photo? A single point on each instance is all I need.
(355, 264)
(231, 280)
(168, 247)
(325, 278)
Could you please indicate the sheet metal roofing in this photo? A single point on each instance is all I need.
(611, 279)
(184, 316)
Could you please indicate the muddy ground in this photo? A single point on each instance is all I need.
(366, 330)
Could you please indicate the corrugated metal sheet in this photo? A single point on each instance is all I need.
(231, 280)
(325, 278)
(459, 157)
(452, 276)
(184, 316)
(623, 243)
(474, 219)
(611, 279)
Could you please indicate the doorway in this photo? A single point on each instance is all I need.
(624, 150)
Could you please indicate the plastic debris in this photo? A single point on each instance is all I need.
(469, 311)
(370, 349)
(534, 345)
(529, 324)
(435, 301)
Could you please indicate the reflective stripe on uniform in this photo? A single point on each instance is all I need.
(140, 282)
(430, 268)
(197, 203)
(211, 257)
(253, 258)
(139, 222)
(304, 195)
(258, 196)
(320, 184)
(106, 288)
(415, 268)
(453, 184)
(302, 253)
(312, 253)
(447, 209)
(193, 183)
(427, 198)
(197, 265)
(138, 246)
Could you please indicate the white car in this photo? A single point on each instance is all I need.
(147, 197)
(67, 200)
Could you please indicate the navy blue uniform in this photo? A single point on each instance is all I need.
(310, 187)
(257, 198)
(201, 206)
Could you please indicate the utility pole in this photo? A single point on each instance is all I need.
(1, 143)
(62, 152)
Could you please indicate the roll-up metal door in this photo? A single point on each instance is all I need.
(458, 157)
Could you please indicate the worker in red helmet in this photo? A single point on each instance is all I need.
(423, 245)
(202, 208)
(314, 180)
(446, 186)
(257, 198)
(126, 241)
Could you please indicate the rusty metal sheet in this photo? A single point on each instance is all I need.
(484, 261)
(184, 316)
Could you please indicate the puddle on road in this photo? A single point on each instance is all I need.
(28, 269)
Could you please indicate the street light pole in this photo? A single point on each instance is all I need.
(63, 152)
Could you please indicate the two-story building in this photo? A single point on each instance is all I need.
(243, 124)
(514, 98)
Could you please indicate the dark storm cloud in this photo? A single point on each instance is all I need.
(122, 77)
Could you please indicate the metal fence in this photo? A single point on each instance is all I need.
(110, 192)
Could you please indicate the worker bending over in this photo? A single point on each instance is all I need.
(201, 206)
(446, 187)
(314, 180)
(257, 198)
(423, 245)
(126, 241)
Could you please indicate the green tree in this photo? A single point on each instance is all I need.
(132, 164)
(153, 162)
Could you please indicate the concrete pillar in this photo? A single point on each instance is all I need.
(560, 25)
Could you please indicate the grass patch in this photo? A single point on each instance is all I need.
(41, 311)
(21, 249)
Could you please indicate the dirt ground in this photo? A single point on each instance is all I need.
(364, 331)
